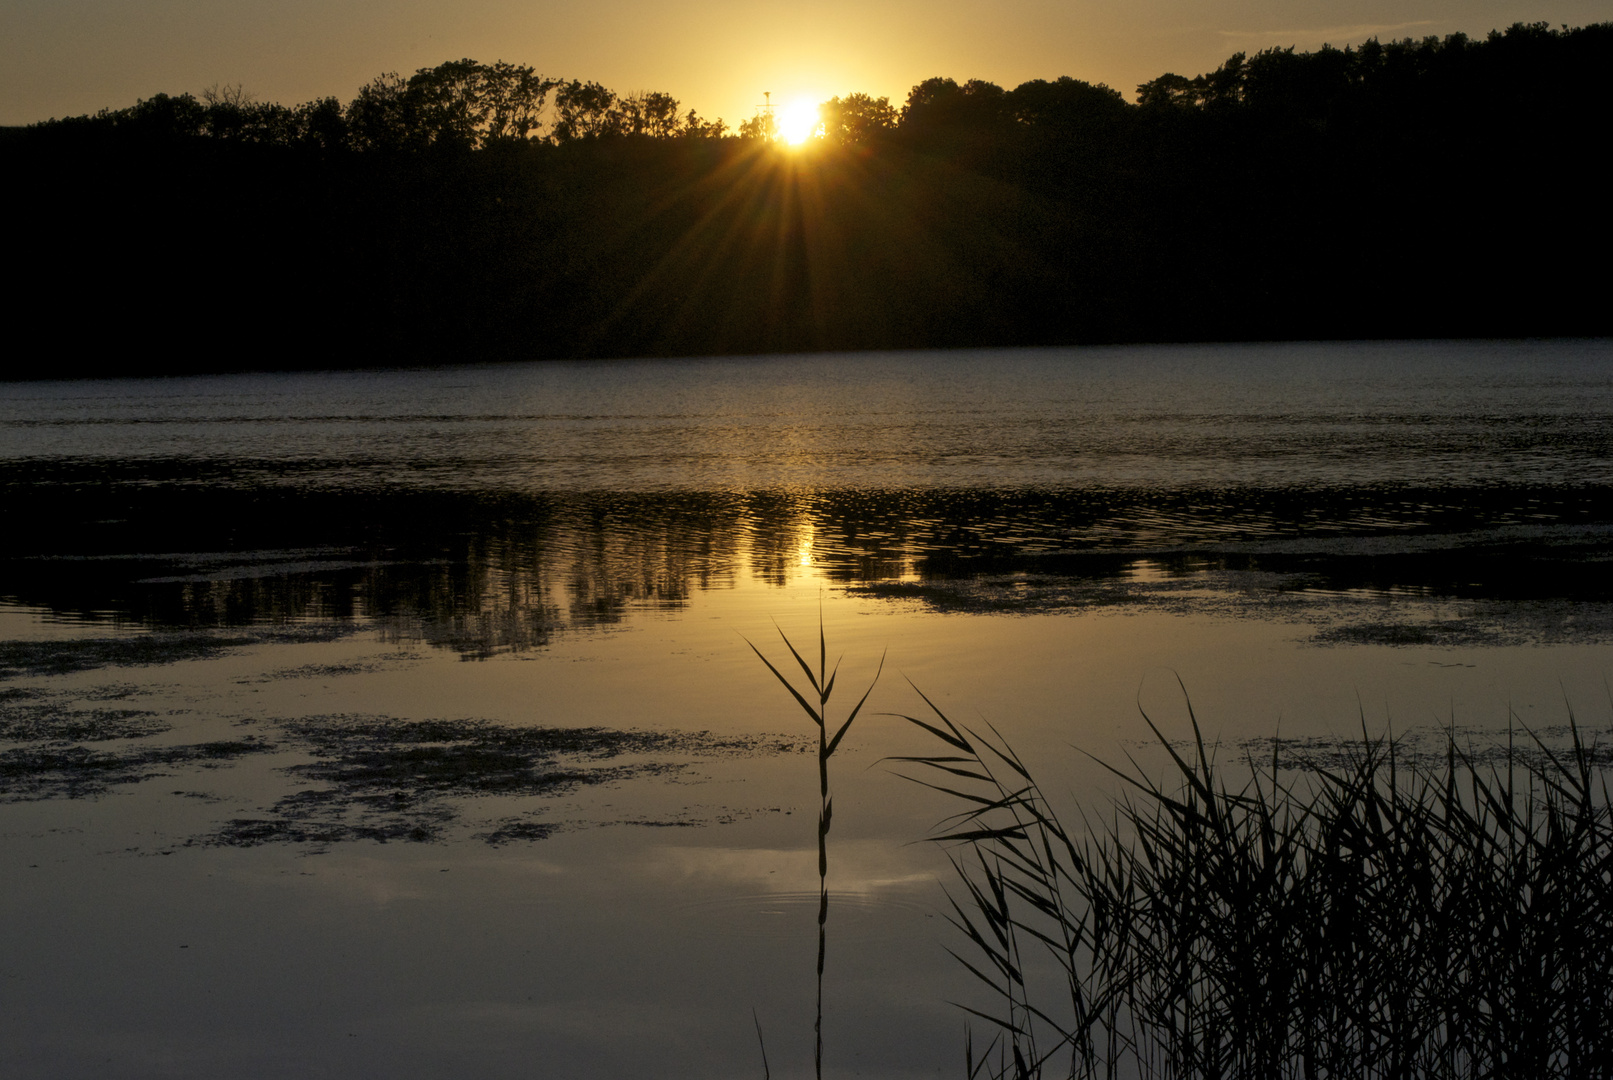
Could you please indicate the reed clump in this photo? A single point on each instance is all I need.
(1379, 917)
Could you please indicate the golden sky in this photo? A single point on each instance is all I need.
(63, 57)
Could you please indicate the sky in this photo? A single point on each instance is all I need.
(66, 57)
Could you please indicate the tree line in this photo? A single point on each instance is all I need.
(1436, 187)
(463, 105)
(460, 105)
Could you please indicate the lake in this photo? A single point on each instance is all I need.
(404, 723)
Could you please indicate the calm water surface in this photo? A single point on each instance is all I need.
(400, 724)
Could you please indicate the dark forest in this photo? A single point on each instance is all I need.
(1438, 188)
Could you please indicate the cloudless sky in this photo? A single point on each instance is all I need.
(64, 57)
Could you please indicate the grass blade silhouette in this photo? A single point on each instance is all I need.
(1374, 918)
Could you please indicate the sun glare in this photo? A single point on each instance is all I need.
(798, 121)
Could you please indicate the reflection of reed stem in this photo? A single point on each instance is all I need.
(824, 810)
(822, 684)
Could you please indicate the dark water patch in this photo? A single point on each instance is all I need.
(418, 826)
(1031, 593)
(31, 658)
(331, 671)
(328, 671)
(345, 737)
(1448, 634)
(721, 815)
(35, 723)
(697, 817)
(1456, 624)
(468, 765)
(250, 566)
(1180, 585)
(66, 657)
(383, 779)
(1520, 566)
(1445, 597)
(73, 772)
(361, 777)
(655, 823)
(517, 829)
(113, 692)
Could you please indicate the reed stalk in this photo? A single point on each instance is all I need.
(1379, 918)
(821, 686)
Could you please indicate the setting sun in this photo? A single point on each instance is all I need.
(798, 121)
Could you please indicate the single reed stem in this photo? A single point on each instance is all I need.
(822, 685)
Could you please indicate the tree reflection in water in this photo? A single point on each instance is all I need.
(487, 574)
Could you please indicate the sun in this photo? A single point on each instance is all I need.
(798, 121)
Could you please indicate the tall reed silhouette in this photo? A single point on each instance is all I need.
(1373, 917)
(822, 686)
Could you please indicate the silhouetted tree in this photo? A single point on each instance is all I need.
(648, 113)
(762, 127)
(162, 116)
(585, 111)
(941, 103)
(856, 118)
(379, 117)
(446, 106)
(514, 96)
(1065, 103)
(321, 123)
(460, 105)
(693, 127)
(1168, 90)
